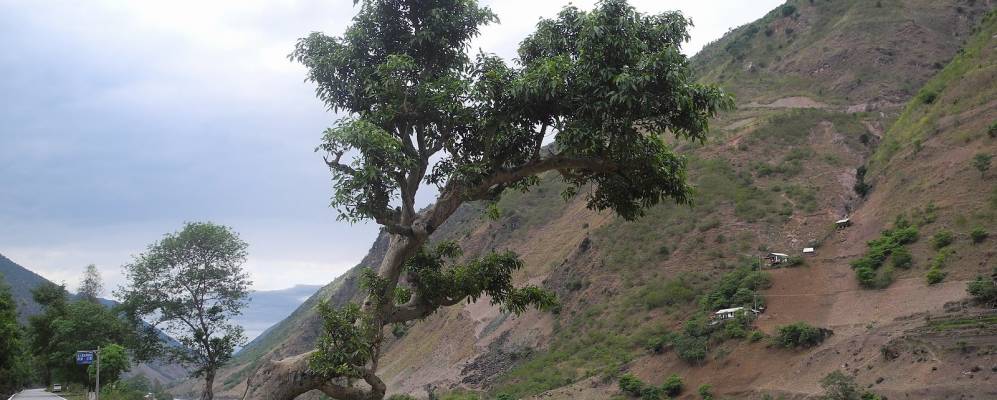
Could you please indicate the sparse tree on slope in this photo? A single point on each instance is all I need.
(92, 286)
(190, 284)
(606, 84)
(981, 162)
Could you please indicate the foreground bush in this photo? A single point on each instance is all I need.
(635, 387)
(799, 334)
(983, 290)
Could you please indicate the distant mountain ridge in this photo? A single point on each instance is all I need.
(268, 307)
(21, 281)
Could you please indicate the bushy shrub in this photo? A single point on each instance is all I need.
(983, 290)
(942, 239)
(691, 349)
(838, 386)
(901, 258)
(631, 385)
(935, 275)
(927, 96)
(867, 268)
(978, 235)
(673, 385)
(756, 336)
(787, 10)
(736, 288)
(992, 131)
(706, 392)
(799, 334)
(406, 397)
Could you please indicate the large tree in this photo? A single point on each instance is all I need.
(190, 284)
(607, 84)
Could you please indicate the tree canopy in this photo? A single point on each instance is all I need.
(604, 87)
(190, 284)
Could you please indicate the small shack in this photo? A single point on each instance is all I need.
(808, 251)
(777, 258)
(843, 223)
(725, 314)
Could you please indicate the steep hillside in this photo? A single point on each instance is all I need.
(818, 97)
(21, 280)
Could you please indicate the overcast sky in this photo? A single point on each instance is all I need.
(120, 120)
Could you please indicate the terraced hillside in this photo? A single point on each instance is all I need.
(901, 89)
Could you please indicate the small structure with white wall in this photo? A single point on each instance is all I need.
(843, 223)
(777, 258)
(808, 251)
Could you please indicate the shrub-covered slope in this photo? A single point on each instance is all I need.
(774, 176)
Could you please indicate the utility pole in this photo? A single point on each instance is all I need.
(98, 374)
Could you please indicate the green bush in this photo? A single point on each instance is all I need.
(631, 384)
(978, 235)
(927, 96)
(799, 334)
(406, 397)
(867, 268)
(942, 239)
(901, 258)
(756, 336)
(706, 392)
(673, 385)
(691, 349)
(992, 131)
(983, 290)
(935, 275)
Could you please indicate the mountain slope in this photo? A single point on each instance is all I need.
(774, 177)
(21, 281)
(268, 307)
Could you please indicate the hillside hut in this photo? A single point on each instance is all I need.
(808, 251)
(843, 223)
(777, 258)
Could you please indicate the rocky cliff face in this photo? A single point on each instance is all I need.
(824, 87)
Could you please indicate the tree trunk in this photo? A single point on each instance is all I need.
(289, 378)
(209, 381)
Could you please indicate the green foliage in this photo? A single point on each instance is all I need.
(799, 334)
(736, 288)
(992, 130)
(114, 361)
(756, 336)
(92, 285)
(705, 391)
(787, 10)
(978, 235)
(634, 387)
(401, 397)
(132, 388)
(861, 187)
(658, 294)
(867, 268)
(190, 284)
(901, 258)
(981, 162)
(343, 349)
(436, 280)
(14, 368)
(673, 385)
(631, 385)
(838, 386)
(927, 96)
(942, 239)
(983, 290)
(935, 275)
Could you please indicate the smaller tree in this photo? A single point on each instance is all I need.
(982, 163)
(190, 284)
(114, 361)
(91, 286)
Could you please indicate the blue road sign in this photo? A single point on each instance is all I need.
(84, 357)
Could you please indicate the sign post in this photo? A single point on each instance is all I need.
(87, 357)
